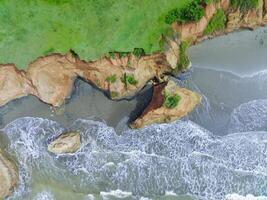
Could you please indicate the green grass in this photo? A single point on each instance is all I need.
(31, 28)
(217, 23)
(183, 57)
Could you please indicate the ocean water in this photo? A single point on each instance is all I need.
(217, 152)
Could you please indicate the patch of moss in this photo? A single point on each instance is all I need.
(112, 78)
(129, 80)
(171, 101)
(114, 94)
(183, 57)
(217, 22)
(244, 5)
(138, 52)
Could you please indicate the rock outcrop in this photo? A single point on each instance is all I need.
(157, 112)
(194, 30)
(113, 74)
(66, 143)
(249, 19)
(236, 19)
(51, 78)
(8, 176)
(13, 84)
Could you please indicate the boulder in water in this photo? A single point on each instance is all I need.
(66, 143)
(8, 175)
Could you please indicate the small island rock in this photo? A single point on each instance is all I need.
(66, 143)
(181, 101)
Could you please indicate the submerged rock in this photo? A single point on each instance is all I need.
(169, 102)
(8, 176)
(66, 143)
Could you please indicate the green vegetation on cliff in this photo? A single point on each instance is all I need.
(32, 28)
(171, 101)
(190, 13)
(112, 78)
(129, 80)
(217, 23)
(183, 57)
(245, 4)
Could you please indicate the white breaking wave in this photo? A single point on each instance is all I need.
(247, 197)
(181, 157)
(251, 116)
(118, 194)
(45, 195)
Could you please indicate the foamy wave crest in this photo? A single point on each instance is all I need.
(45, 195)
(181, 157)
(251, 116)
(247, 197)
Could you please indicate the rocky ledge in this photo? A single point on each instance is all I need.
(235, 16)
(8, 175)
(119, 74)
(169, 102)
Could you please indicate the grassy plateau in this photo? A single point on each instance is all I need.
(32, 28)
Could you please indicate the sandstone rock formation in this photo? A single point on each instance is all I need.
(194, 30)
(66, 143)
(51, 78)
(8, 176)
(13, 84)
(112, 74)
(157, 112)
(236, 19)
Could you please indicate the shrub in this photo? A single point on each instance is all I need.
(245, 4)
(171, 101)
(112, 54)
(217, 22)
(138, 52)
(172, 16)
(191, 12)
(183, 58)
(123, 54)
(129, 80)
(112, 78)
